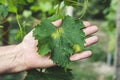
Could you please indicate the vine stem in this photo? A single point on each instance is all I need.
(84, 8)
(20, 27)
(58, 9)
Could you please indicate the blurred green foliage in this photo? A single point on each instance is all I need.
(95, 9)
(17, 76)
(109, 25)
(110, 77)
(83, 72)
(99, 54)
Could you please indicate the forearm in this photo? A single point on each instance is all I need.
(11, 59)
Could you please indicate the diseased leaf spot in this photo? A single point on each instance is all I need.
(76, 48)
(57, 33)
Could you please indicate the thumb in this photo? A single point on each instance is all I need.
(57, 23)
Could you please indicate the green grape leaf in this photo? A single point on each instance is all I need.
(64, 74)
(50, 74)
(33, 75)
(13, 5)
(3, 11)
(61, 41)
(45, 6)
(43, 47)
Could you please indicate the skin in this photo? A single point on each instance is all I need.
(24, 56)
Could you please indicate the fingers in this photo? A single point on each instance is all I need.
(86, 23)
(91, 40)
(49, 63)
(85, 54)
(57, 23)
(80, 56)
(90, 30)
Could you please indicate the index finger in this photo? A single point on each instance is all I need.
(86, 23)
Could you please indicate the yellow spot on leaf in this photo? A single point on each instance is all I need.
(57, 33)
(76, 48)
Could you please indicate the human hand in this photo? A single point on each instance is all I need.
(33, 60)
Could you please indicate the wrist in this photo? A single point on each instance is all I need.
(18, 59)
(12, 59)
